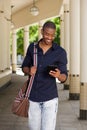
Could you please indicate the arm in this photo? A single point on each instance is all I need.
(27, 65)
(61, 71)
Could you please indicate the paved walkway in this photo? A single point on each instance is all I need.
(67, 116)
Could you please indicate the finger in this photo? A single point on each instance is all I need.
(57, 70)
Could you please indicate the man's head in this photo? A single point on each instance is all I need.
(49, 24)
(48, 32)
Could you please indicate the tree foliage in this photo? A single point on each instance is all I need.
(33, 33)
(20, 42)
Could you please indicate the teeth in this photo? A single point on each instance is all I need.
(48, 40)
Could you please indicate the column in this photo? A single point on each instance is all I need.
(2, 43)
(8, 46)
(67, 40)
(83, 61)
(62, 30)
(74, 91)
(6, 29)
(39, 30)
(14, 51)
(26, 38)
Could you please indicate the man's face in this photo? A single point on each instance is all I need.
(48, 35)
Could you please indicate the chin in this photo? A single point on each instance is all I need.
(48, 43)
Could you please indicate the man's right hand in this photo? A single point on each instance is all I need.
(33, 70)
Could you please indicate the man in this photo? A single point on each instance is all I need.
(44, 97)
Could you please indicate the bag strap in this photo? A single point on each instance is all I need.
(32, 77)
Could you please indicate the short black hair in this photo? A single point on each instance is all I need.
(49, 24)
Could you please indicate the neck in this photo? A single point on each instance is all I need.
(45, 47)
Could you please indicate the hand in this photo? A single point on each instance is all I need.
(33, 70)
(55, 73)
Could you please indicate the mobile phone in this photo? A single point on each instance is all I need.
(51, 67)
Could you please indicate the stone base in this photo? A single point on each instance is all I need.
(66, 87)
(14, 72)
(74, 96)
(14, 66)
(5, 85)
(83, 115)
(74, 85)
(5, 77)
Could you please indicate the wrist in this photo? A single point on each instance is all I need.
(59, 77)
(62, 77)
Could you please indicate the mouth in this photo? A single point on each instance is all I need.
(48, 41)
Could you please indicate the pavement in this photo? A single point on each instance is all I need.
(67, 117)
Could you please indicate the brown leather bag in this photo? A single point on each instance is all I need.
(20, 105)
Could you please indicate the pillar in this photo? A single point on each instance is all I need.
(83, 63)
(14, 51)
(74, 91)
(39, 29)
(67, 40)
(62, 30)
(8, 29)
(2, 42)
(26, 39)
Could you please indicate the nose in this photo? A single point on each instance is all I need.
(50, 37)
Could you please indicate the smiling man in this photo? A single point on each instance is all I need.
(44, 95)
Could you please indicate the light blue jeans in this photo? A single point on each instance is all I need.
(42, 115)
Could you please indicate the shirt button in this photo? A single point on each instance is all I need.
(40, 65)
